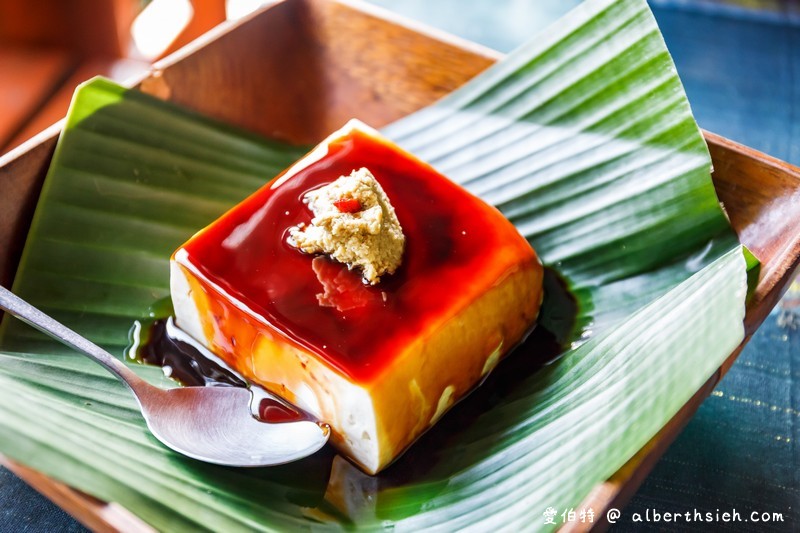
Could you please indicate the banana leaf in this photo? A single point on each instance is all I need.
(583, 138)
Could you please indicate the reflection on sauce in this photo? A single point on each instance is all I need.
(161, 343)
(340, 288)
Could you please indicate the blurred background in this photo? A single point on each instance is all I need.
(740, 63)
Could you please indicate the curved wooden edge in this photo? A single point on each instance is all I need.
(22, 172)
(95, 514)
(768, 222)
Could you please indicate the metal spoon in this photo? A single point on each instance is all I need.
(211, 424)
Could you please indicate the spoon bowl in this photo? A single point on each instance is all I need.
(210, 424)
(215, 425)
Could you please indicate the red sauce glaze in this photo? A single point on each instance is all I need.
(275, 412)
(456, 247)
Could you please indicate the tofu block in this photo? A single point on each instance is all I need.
(380, 363)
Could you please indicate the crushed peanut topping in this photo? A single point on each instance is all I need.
(354, 223)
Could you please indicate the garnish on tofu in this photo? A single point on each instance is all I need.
(348, 205)
(354, 223)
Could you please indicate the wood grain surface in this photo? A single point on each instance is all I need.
(118, 69)
(28, 78)
(95, 514)
(288, 71)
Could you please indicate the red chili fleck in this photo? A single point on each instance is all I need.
(348, 205)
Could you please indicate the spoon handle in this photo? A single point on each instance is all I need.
(31, 315)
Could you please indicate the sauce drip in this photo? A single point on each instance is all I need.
(271, 410)
(181, 359)
(161, 343)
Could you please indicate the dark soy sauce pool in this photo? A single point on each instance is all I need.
(160, 343)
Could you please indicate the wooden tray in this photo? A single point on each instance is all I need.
(379, 70)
